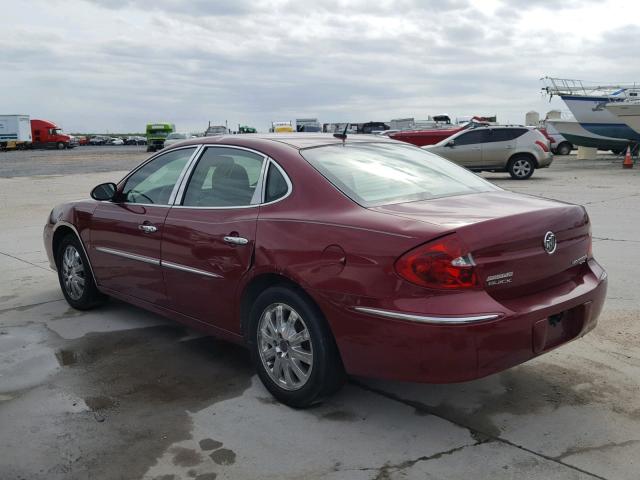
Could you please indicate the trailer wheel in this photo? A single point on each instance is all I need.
(60, 146)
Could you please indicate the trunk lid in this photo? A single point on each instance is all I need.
(505, 234)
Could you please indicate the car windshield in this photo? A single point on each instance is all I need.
(374, 174)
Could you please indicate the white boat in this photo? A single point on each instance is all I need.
(578, 136)
(628, 112)
(587, 103)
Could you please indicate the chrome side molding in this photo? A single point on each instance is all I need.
(158, 262)
(131, 256)
(184, 268)
(438, 320)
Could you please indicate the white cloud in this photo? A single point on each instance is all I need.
(115, 64)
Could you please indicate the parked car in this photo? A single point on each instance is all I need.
(135, 140)
(215, 130)
(98, 140)
(115, 141)
(370, 127)
(386, 133)
(176, 137)
(328, 256)
(559, 144)
(514, 149)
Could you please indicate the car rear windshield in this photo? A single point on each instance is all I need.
(374, 174)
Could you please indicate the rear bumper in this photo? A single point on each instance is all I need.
(545, 160)
(372, 345)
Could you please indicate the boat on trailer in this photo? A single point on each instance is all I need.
(588, 104)
(574, 133)
(628, 112)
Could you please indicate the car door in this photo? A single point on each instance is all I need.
(466, 149)
(499, 146)
(126, 233)
(209, 235)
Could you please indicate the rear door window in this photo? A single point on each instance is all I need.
(505, 134)
(224, 177)
(470, 138)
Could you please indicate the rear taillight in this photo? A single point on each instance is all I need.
(544, 132)
(442, 264)
(542, 145)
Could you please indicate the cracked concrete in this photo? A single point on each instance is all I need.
(120, 393)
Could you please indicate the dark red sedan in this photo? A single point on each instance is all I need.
(326, 257)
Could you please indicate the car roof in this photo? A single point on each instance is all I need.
(296, 140)
(496, 126)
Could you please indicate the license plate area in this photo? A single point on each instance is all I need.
(558, 328)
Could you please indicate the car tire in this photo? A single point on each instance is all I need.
(564, 148)
(74, 275)
(151, 149)
(60, 146)
(521, 167)
(309, 368)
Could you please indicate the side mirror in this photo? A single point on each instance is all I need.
(450, 143)
(104, 192)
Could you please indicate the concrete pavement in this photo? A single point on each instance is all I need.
(119, 393)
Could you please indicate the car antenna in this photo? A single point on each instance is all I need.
(342, 136)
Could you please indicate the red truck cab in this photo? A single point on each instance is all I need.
(47, 134)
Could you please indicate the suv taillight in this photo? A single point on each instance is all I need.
(441, 264)
(542, 145)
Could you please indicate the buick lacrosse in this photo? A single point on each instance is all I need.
(330, 256)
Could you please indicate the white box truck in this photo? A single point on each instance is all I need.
(15, 131)
(308, 125)
(402, 124)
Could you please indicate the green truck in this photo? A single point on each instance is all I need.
(246, 129)
(157, 133)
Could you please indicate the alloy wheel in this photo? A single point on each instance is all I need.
(284, 345)
(521, 168)
(73, 273)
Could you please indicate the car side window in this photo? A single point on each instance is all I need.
(277, 186)
(505, 134)
(469, 138)
(154, 182)
(224, 177)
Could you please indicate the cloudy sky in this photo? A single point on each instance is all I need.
(114, 65)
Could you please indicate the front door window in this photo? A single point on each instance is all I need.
(154, 182)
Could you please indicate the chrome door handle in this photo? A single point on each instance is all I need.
(236, 240)
(147, 228)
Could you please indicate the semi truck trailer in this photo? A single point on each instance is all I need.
(15, 132)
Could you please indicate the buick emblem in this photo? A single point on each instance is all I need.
(549, 242)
